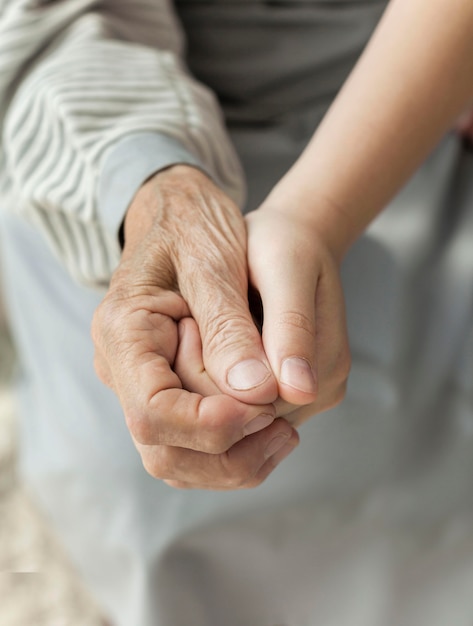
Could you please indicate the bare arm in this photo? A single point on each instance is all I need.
(412, 81)
(414, 78)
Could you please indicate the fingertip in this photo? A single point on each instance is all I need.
(296, 372)
(189, 340)
(282, 443)
(298, 380)
(258, 423)
(282, 453)
(248, 374)
(252, 381)
(189, 364)
(185, 324)
(295, 437)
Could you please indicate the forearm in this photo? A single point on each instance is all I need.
(414, 78)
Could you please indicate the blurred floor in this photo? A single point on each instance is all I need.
(37, 585)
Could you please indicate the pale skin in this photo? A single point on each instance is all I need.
(176, 319)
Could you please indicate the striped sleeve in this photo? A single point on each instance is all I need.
(94, 98)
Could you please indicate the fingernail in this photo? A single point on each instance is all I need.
(258, 424)
(282, 453)
(247, 374)
(296, 372)
(276, 444)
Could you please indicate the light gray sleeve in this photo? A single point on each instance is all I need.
(131, 161)
(94, 98)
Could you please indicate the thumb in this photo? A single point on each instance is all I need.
(233, 351)
(288, 296)
(304, 327)
(208, 249)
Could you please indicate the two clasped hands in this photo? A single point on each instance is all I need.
(209, 401)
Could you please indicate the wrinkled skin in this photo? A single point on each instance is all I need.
(176, 321)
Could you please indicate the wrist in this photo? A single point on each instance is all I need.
(324, 217)
(148, 205)
(146, 258)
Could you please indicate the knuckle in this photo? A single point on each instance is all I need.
(342, 392)
(240, 481)
(165, 462)
(224, 332)
(104, 314)
(106, 323)
(254, 481)
(338, 396)
(141, 428)
(235, 475)
(96, 326)
(212, 430)
(298, 321)
(216, 440)
(338, 367)
(151, 463)
(102, 371)
(158, 462)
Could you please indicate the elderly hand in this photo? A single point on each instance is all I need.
(190, 368)
(185, 254)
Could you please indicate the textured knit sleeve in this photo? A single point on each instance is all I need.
(94, 98)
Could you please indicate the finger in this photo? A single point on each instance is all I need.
(189, 362)
(288, 291)
(213, 279)
(245, 465)
(157, 409)
(189, 366)
(172, 416)
(304, 328)
(289, 338)
(232, 346)
(333, 360)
